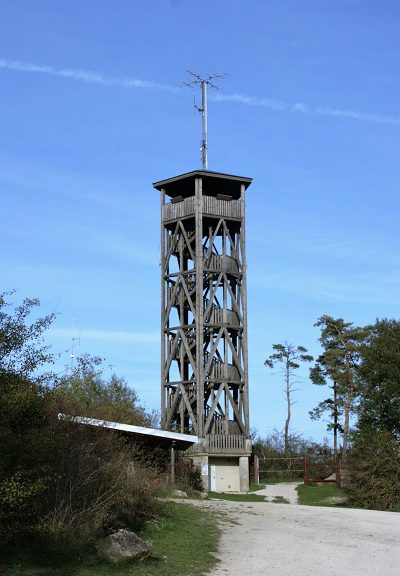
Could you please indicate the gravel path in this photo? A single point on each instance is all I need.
(286, 490)
(281, 540)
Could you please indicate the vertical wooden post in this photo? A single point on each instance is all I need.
(243, 289)
(199, 305)
(256, 469)
(305, 470)
(173, 462)
(162, 263)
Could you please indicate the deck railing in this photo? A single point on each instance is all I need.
(224, 372)
(211, 206)
(223, 445)
(226, 443)
(220, 316)
(222, 263)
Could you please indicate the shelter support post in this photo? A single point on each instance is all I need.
(173, 462)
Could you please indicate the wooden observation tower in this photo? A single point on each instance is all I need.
(204, 376)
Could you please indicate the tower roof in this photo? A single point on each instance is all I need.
(213, 183)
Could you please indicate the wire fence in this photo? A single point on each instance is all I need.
(290, 468)
(296, 468)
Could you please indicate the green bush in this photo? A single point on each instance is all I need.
(63, 482)
(374, 472)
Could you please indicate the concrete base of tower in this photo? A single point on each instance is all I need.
(223, 473)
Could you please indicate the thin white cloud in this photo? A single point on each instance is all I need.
(87, 76)
(379, 118)
(91, 77)
(108, 336)
(302, 108)
(250, 101)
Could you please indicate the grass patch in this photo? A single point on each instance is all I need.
(183, 545)
(254, 487)
(249, 497)
(320, 495)
(280, 500)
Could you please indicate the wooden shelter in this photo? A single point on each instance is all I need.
(204, 375)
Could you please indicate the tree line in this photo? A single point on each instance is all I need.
(360, 366)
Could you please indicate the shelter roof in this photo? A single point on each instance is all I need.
(147, 436)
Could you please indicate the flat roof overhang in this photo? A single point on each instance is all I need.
(146, 436)
(213, 183)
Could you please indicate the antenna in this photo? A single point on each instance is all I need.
(194, 80)
(74, 339)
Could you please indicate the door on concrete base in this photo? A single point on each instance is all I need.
(224, 474)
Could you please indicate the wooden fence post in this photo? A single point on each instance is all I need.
(305, 470)
(256, 469)
(337, 466)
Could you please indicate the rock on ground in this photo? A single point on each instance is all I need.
(122, 546)
(179, 494)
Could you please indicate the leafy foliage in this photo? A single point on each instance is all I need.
(58, 480)
(374, 467)
(22, 350)
(85, 392)
(26, 447)
(379, 407)
(339, 364)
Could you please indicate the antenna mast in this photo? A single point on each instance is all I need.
(194, 80)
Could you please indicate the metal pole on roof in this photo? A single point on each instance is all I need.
(204, 157)
(194, 80)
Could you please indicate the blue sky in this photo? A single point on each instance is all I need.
(91, 115)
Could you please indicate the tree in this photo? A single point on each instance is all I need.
(26, 447)
(289, 356)
(86, 392)
(22, 349)
(341, 342)
(379, 405)
(60, 480)
(332, 406)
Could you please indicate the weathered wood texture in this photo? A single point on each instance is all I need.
(204, 377)
(211, 206)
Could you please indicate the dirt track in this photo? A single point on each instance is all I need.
(291, 540)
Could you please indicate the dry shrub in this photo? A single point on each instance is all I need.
(187, 475)
(374, 472)
(99, 487)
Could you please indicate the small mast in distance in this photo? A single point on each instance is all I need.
(207, 82)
